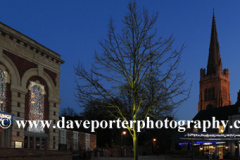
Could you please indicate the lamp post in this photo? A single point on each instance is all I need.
(123, 133)
(154, 145)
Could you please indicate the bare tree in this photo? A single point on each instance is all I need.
(68, 112)
(125, 67)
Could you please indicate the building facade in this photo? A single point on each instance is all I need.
(70, 140)
(29, 89)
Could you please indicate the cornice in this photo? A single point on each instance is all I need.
(30, 44)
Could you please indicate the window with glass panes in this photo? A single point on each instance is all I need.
(75, 140)
(62, 137)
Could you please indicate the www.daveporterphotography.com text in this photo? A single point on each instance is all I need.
(92, 125)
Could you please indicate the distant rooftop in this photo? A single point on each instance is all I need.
(220, 113)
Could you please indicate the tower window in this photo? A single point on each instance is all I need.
(213, 93)
(205, 95)
(209, 94)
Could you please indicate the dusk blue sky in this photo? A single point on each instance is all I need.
(72, 28)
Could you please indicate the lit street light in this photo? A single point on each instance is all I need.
(122, 152)
(154, 145)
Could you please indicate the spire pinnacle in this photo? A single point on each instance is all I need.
(214, 59)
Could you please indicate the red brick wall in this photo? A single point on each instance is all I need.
(69, 140)
(52, 75)
(22, 64)
(81, 141)
(93, 141)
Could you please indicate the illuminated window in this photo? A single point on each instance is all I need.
(18, 144)
(195, 130)
(208, 149)
(36, 109)
(2, 91)
(221, 129)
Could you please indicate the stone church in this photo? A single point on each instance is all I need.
(214, 83)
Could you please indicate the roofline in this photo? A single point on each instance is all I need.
(25, 39)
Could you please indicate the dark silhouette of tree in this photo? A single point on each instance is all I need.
(95, 111)
(68, 112)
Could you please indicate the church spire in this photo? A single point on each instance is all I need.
(214, 86)
(214, 59)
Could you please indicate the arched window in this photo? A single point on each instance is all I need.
(209, 94)
(36, 103)
(213, 93)
(2, 91)
(205, 95)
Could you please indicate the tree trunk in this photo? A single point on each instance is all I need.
(135, 146)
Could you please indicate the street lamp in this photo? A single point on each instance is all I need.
(122, 148)
(154, 145)
(123, 134)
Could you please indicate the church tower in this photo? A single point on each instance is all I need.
(214, 84)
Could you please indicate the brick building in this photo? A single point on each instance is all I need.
(71, 140)
(88, 141)
(29, 89)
